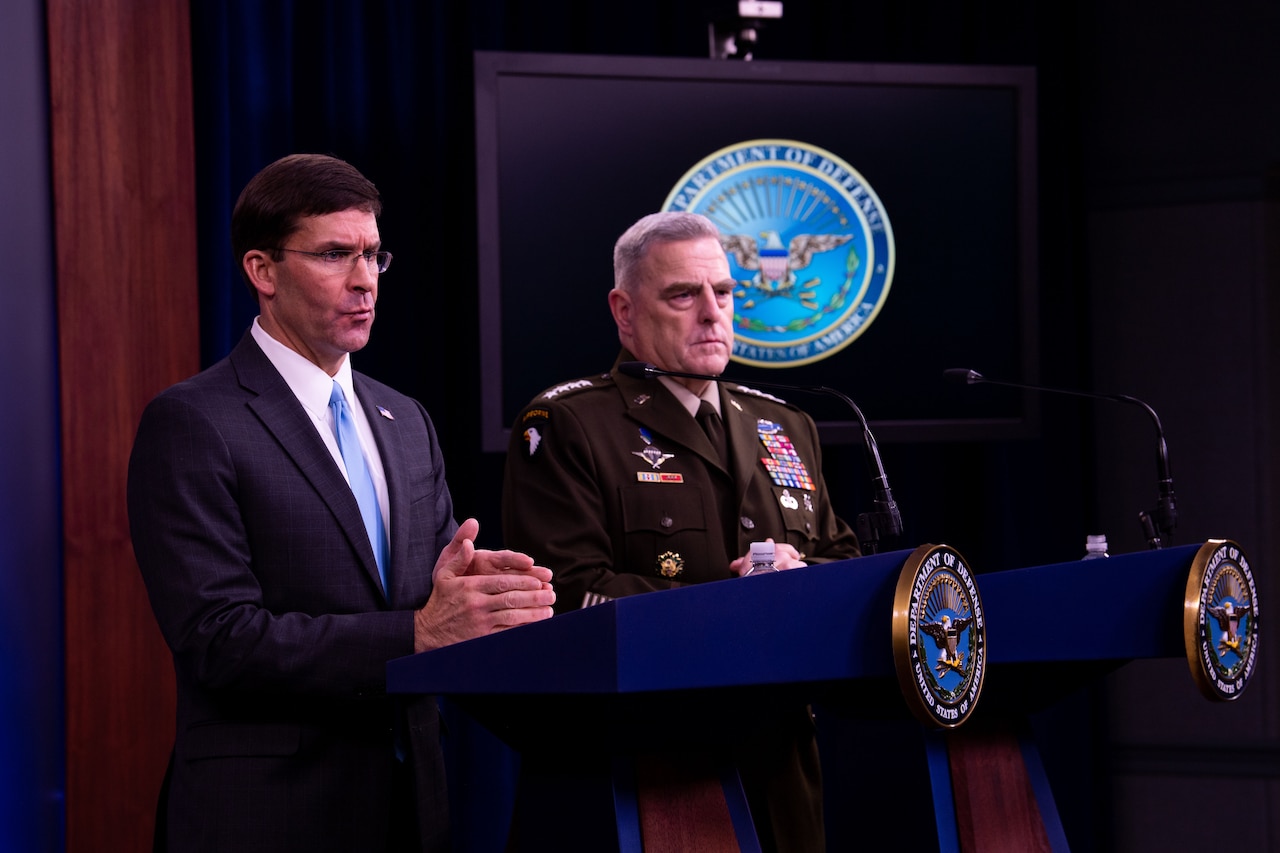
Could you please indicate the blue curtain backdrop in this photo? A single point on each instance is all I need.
(350, 79)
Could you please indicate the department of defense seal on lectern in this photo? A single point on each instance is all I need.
(939, 636)
(1220, 620)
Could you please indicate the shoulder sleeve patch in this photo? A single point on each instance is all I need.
(533, 429)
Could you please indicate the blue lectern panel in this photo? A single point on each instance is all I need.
(826, 623)
(1124, 607)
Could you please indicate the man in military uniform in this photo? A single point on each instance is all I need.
(616, 485)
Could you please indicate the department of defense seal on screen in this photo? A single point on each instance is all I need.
(808, 241)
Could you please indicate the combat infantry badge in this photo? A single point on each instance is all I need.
(1220, 620)
(939, 636)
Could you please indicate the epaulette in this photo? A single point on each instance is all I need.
(571, 387)
(757, 393)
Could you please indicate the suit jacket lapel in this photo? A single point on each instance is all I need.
(283, 416)
(395, 455)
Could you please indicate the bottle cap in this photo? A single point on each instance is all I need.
(762, 552)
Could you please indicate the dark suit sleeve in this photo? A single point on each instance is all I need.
(252, 587)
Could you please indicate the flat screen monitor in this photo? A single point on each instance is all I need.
(928, 173)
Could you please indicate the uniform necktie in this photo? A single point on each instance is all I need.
(344, 427)
(709, 420)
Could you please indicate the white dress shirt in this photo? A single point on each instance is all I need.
(313, 387)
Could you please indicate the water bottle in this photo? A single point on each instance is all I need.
(1095, 546)
(762, 558)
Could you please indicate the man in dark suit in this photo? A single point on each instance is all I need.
(295, 532)
(613, 482)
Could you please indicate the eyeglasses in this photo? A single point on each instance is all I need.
(342, 260)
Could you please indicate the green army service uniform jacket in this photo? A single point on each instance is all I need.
(612, 485)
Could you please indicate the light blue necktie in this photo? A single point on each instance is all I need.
(361, 481)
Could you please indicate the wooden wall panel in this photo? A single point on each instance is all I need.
(124, 202)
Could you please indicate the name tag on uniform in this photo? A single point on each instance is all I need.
(658, 477)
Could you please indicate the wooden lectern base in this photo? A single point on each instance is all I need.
(650, 803)
(685, 803)
(996, 807)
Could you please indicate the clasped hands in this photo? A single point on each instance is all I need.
(476, 592)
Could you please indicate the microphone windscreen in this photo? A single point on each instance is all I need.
(962, 374)
(636, 369)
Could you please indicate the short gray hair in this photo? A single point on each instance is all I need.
(657, 228)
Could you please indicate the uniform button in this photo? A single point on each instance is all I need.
(666, 521)
(747, 523)
(807, 527)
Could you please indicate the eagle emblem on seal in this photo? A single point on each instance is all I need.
(777, 266)
(946, 633)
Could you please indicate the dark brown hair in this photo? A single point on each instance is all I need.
(277, 198)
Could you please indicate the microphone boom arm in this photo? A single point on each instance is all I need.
(1158, 524)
